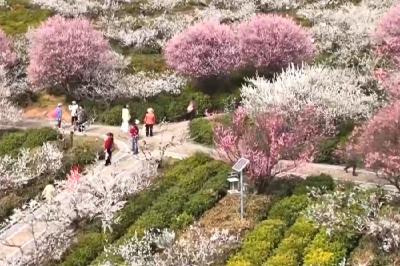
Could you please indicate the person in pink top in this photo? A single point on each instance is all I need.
(149, 121)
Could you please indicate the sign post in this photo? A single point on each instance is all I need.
(239, 166)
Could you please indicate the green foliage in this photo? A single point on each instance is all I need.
(201, 131)
(283, 187)
(87, 247)
(168, 107)
(325, 250)
(322, 181)
(10, 143)
(163, 204)
(290, 250)
(20, 16)
(147, 63)
(326, 150)
(288, 209)
(260, 243)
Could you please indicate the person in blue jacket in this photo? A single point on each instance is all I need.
(59, 114)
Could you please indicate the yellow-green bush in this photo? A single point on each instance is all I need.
(260, 243)
(325, 250)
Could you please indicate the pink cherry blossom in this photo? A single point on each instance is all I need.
(66, 52)
(7, 55)
(271, 42)
(205, 49)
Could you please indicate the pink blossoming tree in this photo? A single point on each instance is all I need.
(203, 50)
(388, 34)
(7, 56)
(67, 52)
(380, 143)
(269, 138)
(271, 42)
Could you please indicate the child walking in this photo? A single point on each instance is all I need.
(134, 132)
(108, 145)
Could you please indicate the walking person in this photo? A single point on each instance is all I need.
(191, 110)
(126, 117)
(82, 118)
(108, 146)
(59, 114)
(149, 121)
(49, 192)
(134, 132)
(73, 108)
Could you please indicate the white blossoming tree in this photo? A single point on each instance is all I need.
(334, 92)
(29, 164)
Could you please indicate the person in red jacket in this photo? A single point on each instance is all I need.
(108, 145)
(149, 121)
(134, 132)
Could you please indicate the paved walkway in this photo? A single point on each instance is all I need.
(124, 163)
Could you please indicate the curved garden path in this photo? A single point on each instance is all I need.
(20, 235)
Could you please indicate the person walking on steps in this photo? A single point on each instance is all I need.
(58, 115)
(108, 146)
(73, 108)
(149, 121)
(126, 116)
(134, 132)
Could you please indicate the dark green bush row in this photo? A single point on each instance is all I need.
(290, 250)
(261, 242)
(326, 250)
(322, 181)
(11, 143)
(168, 107)
(181, 204)
(201, 131)
(83, 252)
(289, 208)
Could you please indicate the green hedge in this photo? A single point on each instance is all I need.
(322, 181)
(200, 189)
(201, 131)
(170, 107)
(291, 249)
(83, 252)
(326, 250)
(260, 243)
(288, 209)
(11, 143)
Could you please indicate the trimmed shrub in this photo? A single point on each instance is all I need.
(322, 181)
(260, 243)
(10, 143)
(201, 131)
(288, 209)
(135, 206)
(291, 249)
(325, 250)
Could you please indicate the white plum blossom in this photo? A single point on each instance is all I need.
(96, 195)
(197, 248)
(212, 12)
(147, 84)
(29, 164)
(79, 7)
(336, 93)
(3, 3)
(386, 228)
(144, 32)
(344, 34)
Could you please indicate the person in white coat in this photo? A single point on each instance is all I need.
(73, 108)
(126, 117)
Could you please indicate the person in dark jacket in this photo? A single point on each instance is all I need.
(134, 132)
(82, 118)
(108, 145)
